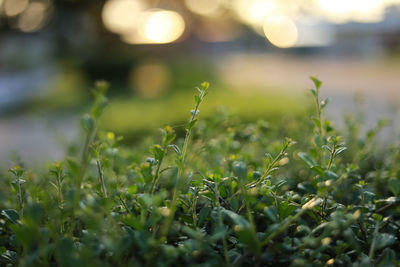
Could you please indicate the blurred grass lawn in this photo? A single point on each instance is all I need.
(134, 116)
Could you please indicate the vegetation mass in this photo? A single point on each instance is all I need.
(219, 193)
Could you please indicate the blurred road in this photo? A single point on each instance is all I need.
(377, 79)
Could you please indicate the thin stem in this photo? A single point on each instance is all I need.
(181, 166)
(85, 157)
(331, 157)
(124, 204)
(320, 128)
(224, 243)
(249, 214)
(268, 170)
(187, 136)
(59, 190)
(101, 177)
(194, 207)
(21, 208)
(372, 248)
(319, 114)
(284, 226)
(154, 182)
(270, 166)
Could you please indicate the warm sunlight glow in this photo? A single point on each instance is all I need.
(163, 26)
(369, 10)
(14, 7)
(342, 11)
(204, 7)
(157, 26)
(281, 31)
(33, 18)
(254, 11)
(121, 16)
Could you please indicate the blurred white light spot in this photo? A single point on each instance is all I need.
(14, 7)
(163, 26)
(121, 16)
(342, 11)
(204, 7)
(157, 26)
(33, 18)
(254, 11)
(280, 30)
(369, 10)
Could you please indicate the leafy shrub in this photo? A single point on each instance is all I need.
(224, 193)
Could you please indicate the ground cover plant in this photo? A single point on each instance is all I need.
(218, 193)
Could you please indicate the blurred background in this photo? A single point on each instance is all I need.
(257, 55)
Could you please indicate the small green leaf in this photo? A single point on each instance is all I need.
(286, 209)
(176, 149)
(271, 213)
(307, 159)
(9, 257)
(11, 215)
(384, 240)
(324, 103)
(316, 122)
(132, 189)
(218, 235)
(316, 82)
(394, 186)
(339, 150)
(237, 219)
(203, 214)
(331, 175)
(193, 233)
(327, 148)
(87, 122)
(19, 181)
(157, 152)
(191, 124)
(319, 170)
(239, 169)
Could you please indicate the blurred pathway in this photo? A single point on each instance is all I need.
(35, 139)
(376, 80)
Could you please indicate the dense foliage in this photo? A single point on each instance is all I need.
(223, 193)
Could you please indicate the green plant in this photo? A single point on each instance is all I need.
(229, 194)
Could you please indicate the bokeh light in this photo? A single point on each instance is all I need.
(122, 16)
(14, 7)
(280, 30)
(204, 7)
(163, 26)
(157, 26)
(342, 11)
(254, 12)
(150, 79)
(33, 18)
